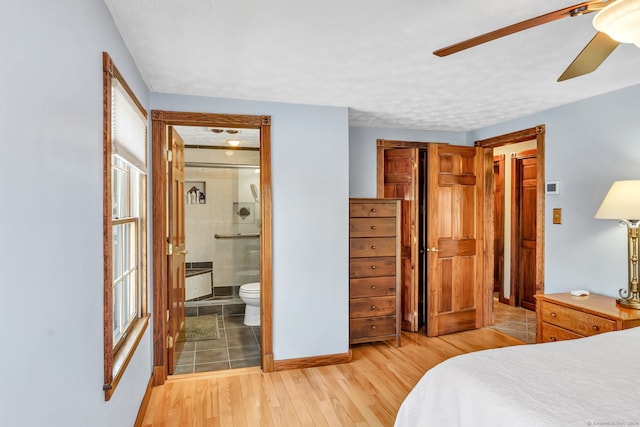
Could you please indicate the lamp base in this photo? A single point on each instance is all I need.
(633, 303)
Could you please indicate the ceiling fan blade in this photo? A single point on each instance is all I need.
(577, 9)
(593, 54)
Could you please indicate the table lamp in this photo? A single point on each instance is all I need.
(622, 203)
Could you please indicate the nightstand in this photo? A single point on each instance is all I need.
(564, 317)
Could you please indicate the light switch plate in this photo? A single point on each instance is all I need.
(557, 215)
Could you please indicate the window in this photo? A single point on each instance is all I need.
(125, 224)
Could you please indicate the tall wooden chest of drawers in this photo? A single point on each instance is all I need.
(374, 270)
(564, 316)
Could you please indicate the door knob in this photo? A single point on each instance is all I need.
(183, 252)
(434, 249)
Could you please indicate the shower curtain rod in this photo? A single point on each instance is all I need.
(219, 165)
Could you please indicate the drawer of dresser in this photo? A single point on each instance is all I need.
(372, 327)
(372, 246)
(576, 321)
(372, 287)
(372, 209)
(372, 267)
(551, 333)
(372, 227)
(372, 306)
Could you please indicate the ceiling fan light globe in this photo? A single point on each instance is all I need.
(620, 21)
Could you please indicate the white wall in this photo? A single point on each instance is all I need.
(363, 153)
(51, 264)
(588, 145)
(310, 178)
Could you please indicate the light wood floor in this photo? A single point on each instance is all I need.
(366, 392)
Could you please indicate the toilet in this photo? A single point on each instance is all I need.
(250, 295)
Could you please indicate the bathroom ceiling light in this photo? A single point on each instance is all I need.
(233, 142)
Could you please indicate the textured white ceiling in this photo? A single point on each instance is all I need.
(219, 137)
(373, 56)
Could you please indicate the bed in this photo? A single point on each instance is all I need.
(592, 381)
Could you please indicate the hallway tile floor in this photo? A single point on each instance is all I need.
(517, 322)
(237, 347)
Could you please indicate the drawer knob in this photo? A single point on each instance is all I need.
(373, 326)
(553, 339)
(373, 246)
(553, 314)
(373, 210)
(373, 267)
(373, 227)
(373, 307)
(595, 327)
(373, 286)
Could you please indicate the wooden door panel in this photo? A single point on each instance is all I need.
(455, 239)
(176, 260)
(498, 225)
(400, 181)
(524, 260)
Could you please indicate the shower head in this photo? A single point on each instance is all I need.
(254, 191)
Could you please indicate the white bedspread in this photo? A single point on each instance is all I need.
(591, 381)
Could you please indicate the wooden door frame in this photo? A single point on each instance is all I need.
(487, 282)
(160, 121)
(537, 133)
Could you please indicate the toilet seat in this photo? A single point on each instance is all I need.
(250, 288)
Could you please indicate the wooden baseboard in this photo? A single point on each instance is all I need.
(145, 403)
(309, 362)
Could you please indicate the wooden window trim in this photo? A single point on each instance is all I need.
(117, 360)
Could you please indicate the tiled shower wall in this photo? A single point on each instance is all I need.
(227, 192)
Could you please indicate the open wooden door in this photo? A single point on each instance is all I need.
(454, 238)
(400, 181)
(498, 226)
(176, 253)
(523, 234)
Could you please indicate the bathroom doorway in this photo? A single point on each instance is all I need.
(228, 234)
(222, 240)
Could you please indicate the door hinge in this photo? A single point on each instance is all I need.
(169, 341)
(168, 315)
(169, 249)
(169, 156)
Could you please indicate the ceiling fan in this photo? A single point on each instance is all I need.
(617, 21)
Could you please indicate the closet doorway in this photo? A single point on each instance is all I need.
(442, 188)
(169, 198)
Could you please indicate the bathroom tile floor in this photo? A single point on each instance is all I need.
(517, 322)
(238, 346)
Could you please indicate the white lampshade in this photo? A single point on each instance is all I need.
(620, 21)
(621, 202)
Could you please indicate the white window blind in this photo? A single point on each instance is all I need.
(128, 128)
